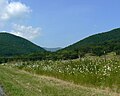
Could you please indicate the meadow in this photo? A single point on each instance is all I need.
(21, 83)
(91, 71)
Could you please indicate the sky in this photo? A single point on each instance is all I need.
(58, 23)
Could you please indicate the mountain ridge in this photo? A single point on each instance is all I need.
(97, 44)
(11, 45)
(99, 35)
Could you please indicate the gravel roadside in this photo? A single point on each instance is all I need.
(1, 92)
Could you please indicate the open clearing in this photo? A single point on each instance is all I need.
(21, 83)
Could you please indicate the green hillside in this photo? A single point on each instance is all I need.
(113, 35)
(11, 45)
(97, 44)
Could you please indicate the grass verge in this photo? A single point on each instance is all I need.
(21, 83)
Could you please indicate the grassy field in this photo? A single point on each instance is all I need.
(21, 83)
(97, 72)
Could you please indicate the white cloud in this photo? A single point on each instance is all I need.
(27, 32)
(10, 10)
(14, 11)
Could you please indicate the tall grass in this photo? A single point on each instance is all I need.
(20, 83)
(89, 71)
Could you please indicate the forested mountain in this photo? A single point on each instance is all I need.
(113, 35)
(97, 44)
(11, 45)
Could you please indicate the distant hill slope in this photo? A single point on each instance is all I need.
(113, 35)
(11, 45)
(98, 43)
(52, 49)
